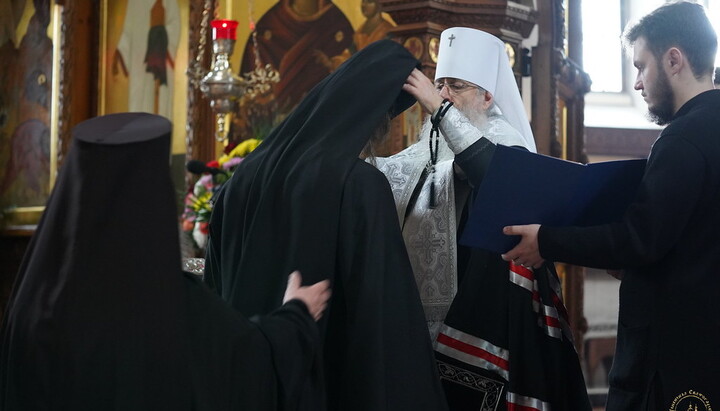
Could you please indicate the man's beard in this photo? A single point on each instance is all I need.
(476, 115)
(662, 112)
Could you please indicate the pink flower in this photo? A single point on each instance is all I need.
(232, 162)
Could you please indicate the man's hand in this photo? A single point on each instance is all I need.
(423, 89)
(527, 252)
(315, 296)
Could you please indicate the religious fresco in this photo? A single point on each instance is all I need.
(25, 102)
(143, 46)
(304, 41)
(144, 53)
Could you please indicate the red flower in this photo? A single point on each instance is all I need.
(228, 148)
(204, 228)
(213, 164)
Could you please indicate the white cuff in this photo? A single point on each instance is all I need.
(459, 133)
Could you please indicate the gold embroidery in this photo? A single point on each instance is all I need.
(690, 400)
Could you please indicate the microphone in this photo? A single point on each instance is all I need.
(198, 167)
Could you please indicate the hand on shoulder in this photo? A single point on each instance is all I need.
(314, 296)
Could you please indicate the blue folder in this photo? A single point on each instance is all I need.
(521, 187)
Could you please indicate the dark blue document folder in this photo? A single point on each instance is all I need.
(521, 187)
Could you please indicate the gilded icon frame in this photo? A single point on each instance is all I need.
(25, 216)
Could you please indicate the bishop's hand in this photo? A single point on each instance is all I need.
(423, 89)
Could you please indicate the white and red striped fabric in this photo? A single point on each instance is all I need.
(554, 320)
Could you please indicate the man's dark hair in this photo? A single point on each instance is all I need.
(377, 138)
(683, 25)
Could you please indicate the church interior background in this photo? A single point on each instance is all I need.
(75, 59)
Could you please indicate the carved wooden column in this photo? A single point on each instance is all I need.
(559, 83)
(200, 138)
(575, 83)
(545, 60)
(78, 57)
(558, 104)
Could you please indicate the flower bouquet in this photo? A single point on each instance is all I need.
(199, 201)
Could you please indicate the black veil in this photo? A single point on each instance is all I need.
(101, 316)
(304, 200)
(283, 200)
(84, 277)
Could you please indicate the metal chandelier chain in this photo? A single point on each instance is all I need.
(197, 71)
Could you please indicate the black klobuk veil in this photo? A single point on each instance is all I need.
(279, 212)
(101, 316)
(303, 200)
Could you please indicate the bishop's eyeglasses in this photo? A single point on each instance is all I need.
(454, 87)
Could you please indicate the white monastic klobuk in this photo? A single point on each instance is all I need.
(480, 58)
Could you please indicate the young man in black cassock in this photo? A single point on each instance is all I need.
(667, 355)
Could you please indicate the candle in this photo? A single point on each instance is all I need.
(224, 29)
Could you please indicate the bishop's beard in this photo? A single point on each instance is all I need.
(477, 117)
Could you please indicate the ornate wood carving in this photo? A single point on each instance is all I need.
(510, 21)
(546, 56)
(502, 18)
(65, 81)
(199, 140)
(558, 104)
(78, 69)
(574, 84)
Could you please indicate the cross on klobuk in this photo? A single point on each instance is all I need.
(451, 38)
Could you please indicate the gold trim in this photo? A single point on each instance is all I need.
(433, 46)
(415, 46)
(55, 92)
(510, 50)
(28, 217)
(564, 132)
(21, 216)
(103, 63)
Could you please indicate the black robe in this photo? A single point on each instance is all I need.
(505, 343)
(101, 316)
(303, 200)
(668, 327)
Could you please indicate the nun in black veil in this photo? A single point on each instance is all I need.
(305, 200)
(101, 316)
